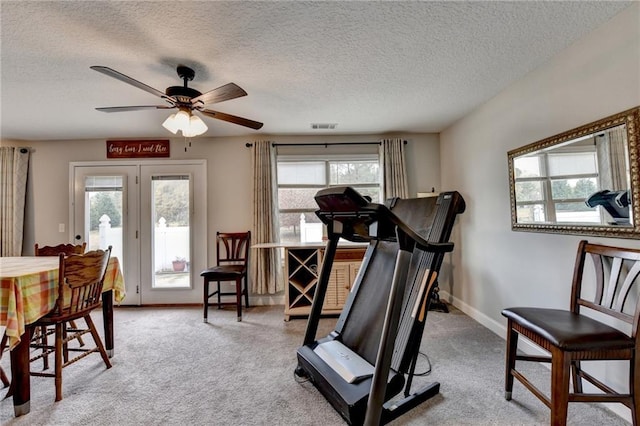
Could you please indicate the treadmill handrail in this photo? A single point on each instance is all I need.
(344, 204)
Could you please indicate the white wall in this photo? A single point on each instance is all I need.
(228, 175)
(495, 267)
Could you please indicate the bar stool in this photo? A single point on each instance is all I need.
(232, 255)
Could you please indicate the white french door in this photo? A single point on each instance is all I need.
(148, 213)
(103, 213)
(173, 235)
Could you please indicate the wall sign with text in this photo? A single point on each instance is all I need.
(138, 149)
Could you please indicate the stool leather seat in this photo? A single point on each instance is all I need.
(225, 273)
(569, 331)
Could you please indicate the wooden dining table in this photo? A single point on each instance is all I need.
(28, 291)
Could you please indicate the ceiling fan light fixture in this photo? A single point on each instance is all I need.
(196, 127)
(170, 124)
(182, 119)
(190, 125)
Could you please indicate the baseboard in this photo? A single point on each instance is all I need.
(266, 299)
(497, 327)
(254, 300)
(524, 345)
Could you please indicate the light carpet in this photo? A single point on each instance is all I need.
(170, 368)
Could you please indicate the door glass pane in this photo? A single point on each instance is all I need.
(171, 231)
(103, 214)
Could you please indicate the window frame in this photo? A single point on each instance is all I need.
(546, 183)
(327, 159)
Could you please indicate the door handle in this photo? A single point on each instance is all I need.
(78, 237)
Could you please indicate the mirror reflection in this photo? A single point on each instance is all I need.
(584, 181)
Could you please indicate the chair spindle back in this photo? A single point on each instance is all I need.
(81, 278)
(617, 282)
(67, 249)
(232, 247)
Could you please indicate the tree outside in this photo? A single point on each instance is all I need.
(107, 202)
(581, 190)
(171, 201)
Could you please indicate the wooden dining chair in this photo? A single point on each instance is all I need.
(609, 290)
(232, 255)
(80, 281)
(60, 248)
(40, 336)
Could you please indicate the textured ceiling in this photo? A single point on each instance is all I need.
(371, 67)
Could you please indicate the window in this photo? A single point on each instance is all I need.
(301, 177)
(552, 187)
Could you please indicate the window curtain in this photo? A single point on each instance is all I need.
(265, 262)
(394, 168)
(14, 165)
(618, 154)
(611, 149)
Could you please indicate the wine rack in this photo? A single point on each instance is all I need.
(302, 268)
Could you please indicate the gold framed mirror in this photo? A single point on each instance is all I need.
(585, 181)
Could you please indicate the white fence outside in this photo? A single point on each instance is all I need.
(310, 232)
(170, 242)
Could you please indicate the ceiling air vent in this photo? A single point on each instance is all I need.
(324, 126)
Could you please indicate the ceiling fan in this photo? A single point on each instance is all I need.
(186, 100)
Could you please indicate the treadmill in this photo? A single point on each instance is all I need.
(383, 319)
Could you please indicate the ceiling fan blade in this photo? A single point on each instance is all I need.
(232, 119)
(119, 76)
(133, 108)
(222, 93)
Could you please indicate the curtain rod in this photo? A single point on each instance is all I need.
(325, 144)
